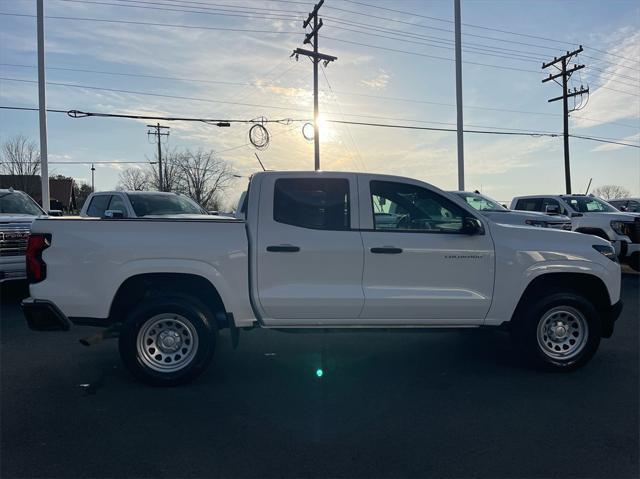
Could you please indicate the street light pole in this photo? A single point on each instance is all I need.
(42, 108)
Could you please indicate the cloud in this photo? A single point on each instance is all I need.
(633, 139)
(379, 82)
(607, 105)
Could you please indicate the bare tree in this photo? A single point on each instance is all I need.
(171, 172)
(19, 156)
(133, 179)
(204, 177)
(611, 192)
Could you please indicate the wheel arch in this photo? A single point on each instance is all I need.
(146, 285)
(588, 285)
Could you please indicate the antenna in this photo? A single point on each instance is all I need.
(259, 161)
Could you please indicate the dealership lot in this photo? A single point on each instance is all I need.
(445, 404)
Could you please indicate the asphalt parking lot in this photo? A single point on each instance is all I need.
(440, 404)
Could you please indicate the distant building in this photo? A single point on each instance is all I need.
(61, 190)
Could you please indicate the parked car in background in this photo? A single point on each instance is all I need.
(498, 213)
(592, 215)
(140, 204)
(321, 251)
(17, 212)
(631, 205)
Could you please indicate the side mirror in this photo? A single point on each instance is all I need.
(113, 214)
(622, 208)
(576, 215)
(472, 226)
(552, 209)
(55, 213)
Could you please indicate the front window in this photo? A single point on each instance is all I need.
(588, 204)
(405, 207)
(158, 204)
(16, 203)
(480, 202)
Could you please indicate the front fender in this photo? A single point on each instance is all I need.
(511, 283)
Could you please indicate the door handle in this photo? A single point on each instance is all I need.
(283, 249)
(386, 250)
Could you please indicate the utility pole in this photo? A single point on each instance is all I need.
(93, 184)
(565, 74)
(42, 107)
(158, 133)
(316, 57)
(460, 123)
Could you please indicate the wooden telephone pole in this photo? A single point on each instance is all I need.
(158, 133)
(316, 57)
(564, 74)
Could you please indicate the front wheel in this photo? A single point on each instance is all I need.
(560, 331)
(168, 341)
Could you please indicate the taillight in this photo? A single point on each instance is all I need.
(36, 267)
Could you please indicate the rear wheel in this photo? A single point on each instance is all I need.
(559, 331)
(168, 341)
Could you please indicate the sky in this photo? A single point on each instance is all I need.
(230, 59)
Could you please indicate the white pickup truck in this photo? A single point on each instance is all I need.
(321, 251)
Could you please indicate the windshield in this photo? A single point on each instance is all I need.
(18, 204)
(480, 202)
(589, 204)
(163, 204)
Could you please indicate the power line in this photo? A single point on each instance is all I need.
(211, 121)
(414, 14)
(134, 75)
(205, 12)
(153, 24)
(160, 95)
(347, 122)
(508, 133)
(377, 47)
(211, 6)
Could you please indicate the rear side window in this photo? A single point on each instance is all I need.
(98, 205)
(315, 203)
(117, 204)
(529, 204)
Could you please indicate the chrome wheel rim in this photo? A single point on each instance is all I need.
(167, 342)
(562, 332)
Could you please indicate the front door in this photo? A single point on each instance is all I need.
(420, 265)
(309, 250)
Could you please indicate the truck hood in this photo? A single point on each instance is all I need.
(517, 217)
(187, 217)
(548, 243)
(617, 216)
(16, 218)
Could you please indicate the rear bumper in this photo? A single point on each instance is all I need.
(609, 319)
(44, 316)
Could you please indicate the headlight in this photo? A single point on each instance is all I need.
(539, 224)
(620, 227)
(606, 250)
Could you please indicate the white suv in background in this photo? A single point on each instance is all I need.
(630, 205)
(591, 215)
(500, 214)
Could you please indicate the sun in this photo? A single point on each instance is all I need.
(326, 131)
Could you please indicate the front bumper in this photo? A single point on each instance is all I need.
(43, 315)
(12, 268)
(609, 318)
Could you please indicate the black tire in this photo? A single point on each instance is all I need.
(564, 308)
(193, 331)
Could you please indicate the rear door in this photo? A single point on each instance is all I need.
(419, 265)
(309, 250)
